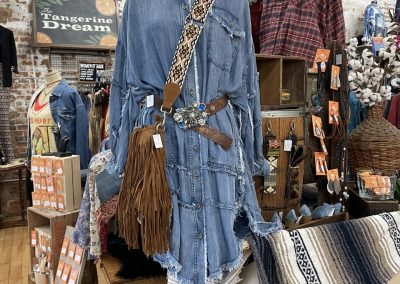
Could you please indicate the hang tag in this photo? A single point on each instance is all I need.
(287, 146)
(339, 59)
(150, 101)
(33, 238)
(157, 141)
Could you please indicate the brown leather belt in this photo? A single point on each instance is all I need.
(213, 134)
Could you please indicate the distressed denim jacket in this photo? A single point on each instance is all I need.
(211, 187)
(71, 114)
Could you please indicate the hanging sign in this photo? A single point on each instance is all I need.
(88, 71)
(88, 24)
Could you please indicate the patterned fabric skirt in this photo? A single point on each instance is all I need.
(5, 133)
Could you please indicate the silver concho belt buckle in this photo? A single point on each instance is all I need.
(190, 116)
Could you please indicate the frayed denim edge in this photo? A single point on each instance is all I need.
(216, 277)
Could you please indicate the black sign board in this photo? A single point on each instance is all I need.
(88, 71)
(75, 23)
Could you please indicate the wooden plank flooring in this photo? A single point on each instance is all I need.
(14, 255)
(15, 260)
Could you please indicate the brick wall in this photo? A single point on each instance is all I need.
(15, 15)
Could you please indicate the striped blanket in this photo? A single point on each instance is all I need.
(359, 251)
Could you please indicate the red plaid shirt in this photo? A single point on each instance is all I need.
(299, 27)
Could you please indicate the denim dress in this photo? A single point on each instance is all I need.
(211, 187)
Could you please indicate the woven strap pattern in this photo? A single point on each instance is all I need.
(189, 37)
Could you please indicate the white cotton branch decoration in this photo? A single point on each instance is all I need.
(368, 74)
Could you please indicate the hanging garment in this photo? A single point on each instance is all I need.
(255, 12)
(8, 56)
(6, 145)
(211, 187)
(87, 233)
(299, 27)
(394, 111)
(397, 12)
(71, 115)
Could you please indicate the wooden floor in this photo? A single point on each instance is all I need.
(14, 255)
(15, 262)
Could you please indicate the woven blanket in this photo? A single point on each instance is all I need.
(359, 251)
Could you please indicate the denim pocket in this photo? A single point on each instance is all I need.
(66, 113)
(224, 37)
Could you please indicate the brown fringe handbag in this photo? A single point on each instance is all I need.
(144, 206)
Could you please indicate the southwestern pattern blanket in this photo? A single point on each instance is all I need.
(359, 251)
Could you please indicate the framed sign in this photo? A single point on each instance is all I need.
(88, 24)
(88, 71)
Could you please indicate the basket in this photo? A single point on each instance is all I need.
(375, 144)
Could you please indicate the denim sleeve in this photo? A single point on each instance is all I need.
(82, 137)
(118, 93)
(250, 115)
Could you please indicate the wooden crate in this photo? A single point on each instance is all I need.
(278, 73)
(280, 123)
(57, 223)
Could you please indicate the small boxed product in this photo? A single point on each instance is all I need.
(68, 182)
(35, 164)
(375, 186)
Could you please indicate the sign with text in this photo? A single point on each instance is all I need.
(75, 23)
(88, 71)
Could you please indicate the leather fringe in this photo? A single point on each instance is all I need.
(145, 204)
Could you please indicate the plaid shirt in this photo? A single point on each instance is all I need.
(299, 27)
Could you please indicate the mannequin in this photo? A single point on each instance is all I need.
(374, 22)
(40, 118)
(58, 119)
(214, 199)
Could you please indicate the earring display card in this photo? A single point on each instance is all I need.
(72, 262)
(317, 127)
(335, 77)
(322, 55)
(333, 112)
(321, 166)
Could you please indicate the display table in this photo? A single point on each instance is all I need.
(360, 207)
(19, 166)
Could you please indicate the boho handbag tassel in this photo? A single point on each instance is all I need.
(144, 206)
(145, 199)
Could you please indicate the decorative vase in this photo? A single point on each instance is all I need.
(375, 144)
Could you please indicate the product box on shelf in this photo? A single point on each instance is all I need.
(57, 183)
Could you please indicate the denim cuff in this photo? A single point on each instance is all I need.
(261, 168)
(107, 185)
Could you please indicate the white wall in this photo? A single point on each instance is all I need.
(354, 14)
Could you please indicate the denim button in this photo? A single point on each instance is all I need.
(192, 93)
(196, 205)
(196, 148)
(200, 236)
(196, 174)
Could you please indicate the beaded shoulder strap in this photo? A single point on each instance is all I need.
(194, 25)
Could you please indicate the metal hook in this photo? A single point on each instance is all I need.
(292, 126)
(269, 126)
